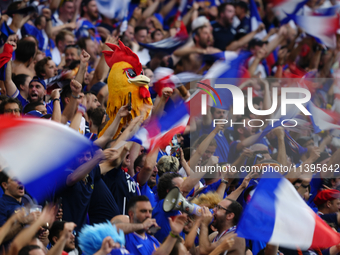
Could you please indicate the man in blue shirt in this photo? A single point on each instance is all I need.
(11, 202)
(146, 172)
(140, 242)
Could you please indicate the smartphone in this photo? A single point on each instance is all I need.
(153, 229)
(60, 202)
(129, 105)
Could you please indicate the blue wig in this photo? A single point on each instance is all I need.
(91, 237)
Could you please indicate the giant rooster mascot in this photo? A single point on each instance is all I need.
(126, 75)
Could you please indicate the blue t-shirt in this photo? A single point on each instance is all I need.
(122, 187)
(103, 206)
(146, 191)
(76, 198)
(222, 149)
(162, 220)
(24, 102)
(244, 24)
(138, 245)
(8, 205)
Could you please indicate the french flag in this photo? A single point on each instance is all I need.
(37, 151)
(159, 132)
(168, 45)
(323, 119)
(113, 9)
(255, 20)
(323, 28)
(284, 7)
(276, 214)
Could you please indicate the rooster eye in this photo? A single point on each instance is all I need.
(130, 73)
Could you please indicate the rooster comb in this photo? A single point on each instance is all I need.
(122, 53)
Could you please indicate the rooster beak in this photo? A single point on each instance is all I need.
(140, 80)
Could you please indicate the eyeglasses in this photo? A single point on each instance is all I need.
(12, 110)
(218, 207)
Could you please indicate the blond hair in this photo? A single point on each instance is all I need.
(167, 164)
(209, 200)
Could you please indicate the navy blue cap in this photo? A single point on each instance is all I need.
(41, 81)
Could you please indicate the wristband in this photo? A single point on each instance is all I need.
(56, 99)
(47, 20)
(224, 181)
(81, 109)
(76, 97)
(173, 235)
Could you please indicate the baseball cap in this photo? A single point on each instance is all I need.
(326, 195)
(199, 22)
(41, 81)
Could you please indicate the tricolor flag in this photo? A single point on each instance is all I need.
(323, 119)
(255, 20)
(113, 9)
(168, 45)
(323, 28)
(159, 132)
(278, 215)
(284, 7)
(37, 151)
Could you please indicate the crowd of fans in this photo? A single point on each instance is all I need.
(58, 72)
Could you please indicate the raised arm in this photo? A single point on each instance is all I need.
(83, 170)
(71, 107)
(177, 225)
(58, 248)
(26, 235)
(112, 129)
(55, 97)
(102, 68)
(161, 101)
(151, 9)
(150, 163)
(235, 45)
(84, 59)
(9, 84)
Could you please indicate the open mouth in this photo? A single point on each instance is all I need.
(21, 188)
(34, 96)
